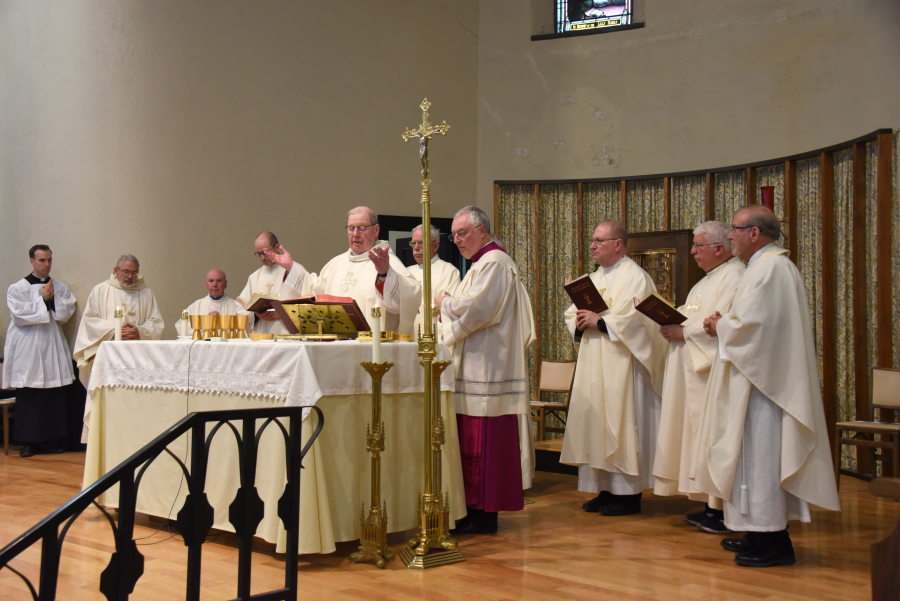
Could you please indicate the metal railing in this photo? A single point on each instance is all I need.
(196, 517)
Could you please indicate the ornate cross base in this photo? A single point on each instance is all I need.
(432, 547)
(373, 537)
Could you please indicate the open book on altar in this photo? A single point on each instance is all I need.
(322, 314)
(585, 295)
(657, 309)
(258, 303)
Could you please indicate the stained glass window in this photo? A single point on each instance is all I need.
(585, 15)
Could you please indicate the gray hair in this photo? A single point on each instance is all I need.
(435, 233)
(716, 233)
(372, 216)
(127, 257)
(478, 217)
(618, 229)
(761, 217)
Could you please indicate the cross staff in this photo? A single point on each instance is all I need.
(424, 133)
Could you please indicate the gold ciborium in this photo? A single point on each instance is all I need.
(240, 325)
(198, 330)
(226, 322)
(210, 326)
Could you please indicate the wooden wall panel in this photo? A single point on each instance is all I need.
(859, 281)
(885, 233)
(537, 279)
(790, 206)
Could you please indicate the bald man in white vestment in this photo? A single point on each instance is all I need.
(763, 444)
(141, 317)
(614, 409)
(279, 277)
(36, 358)
(370, 273)
(691, 354)
(488, 324)
(216, 302)
(444, 276)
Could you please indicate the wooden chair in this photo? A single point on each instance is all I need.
(555, 376)
(886, 397)
(886, 554)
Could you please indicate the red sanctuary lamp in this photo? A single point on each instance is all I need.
(767, 197)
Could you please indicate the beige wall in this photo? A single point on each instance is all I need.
(704, 84)
(176, 131)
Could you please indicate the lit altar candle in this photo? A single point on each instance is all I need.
(376, 334)
(118, 316)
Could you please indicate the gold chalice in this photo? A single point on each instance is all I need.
(240, 324)
(209, 323)
(226, 322)
(195, 324)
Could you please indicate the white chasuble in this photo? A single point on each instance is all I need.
(488, 324)
(98, 323)
(272, 281)
(444, 278)
(36, 354)
(354, 276)
(613, 416)
(684, 385)
(764, 401)
(223, 306)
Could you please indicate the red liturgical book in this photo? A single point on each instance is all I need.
(659, 310)
(585, 295)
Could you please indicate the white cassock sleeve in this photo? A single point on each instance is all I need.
(401, 293)
(480, 307)
(298, 282)
(24, 310)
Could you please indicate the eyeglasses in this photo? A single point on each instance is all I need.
(415, 244)
(129, 274)
(456, 237)
(695, 245)
(734, 228)
(361, 229)
(599, 241)
(262, 254)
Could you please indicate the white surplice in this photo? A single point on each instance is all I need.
(613, 416)
(354, 276)
(763, 426)
(271, 281)
(98, 323)
(36, 354)
(684, 386)
(488, 324)
(444, 278)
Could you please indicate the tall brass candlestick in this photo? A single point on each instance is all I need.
(432, 546)
(373, 528)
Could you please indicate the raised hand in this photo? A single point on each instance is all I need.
(280, 256)
(380, 259)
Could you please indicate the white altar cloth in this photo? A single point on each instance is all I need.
(140, 388)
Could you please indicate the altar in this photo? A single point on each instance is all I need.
(140, 388)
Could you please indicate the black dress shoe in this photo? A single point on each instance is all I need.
(594, 505)
(766, 558)
(622, 505)
(53, 451)
(713, 525)
(738, 545)
(27, 451)
(469, 527)
(488, 522)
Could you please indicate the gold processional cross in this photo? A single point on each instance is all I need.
(424, 133)
(348, 282)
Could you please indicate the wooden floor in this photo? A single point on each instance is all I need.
(551, 550)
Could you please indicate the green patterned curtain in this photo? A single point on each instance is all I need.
(516, 227)
(646, 205)
(843, 303)
(871, 257)
(809, 244)
(731, 194)
(688, 202)
(599, 202)
(559, 257)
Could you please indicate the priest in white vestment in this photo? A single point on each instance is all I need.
(279, 277)
(444, 276)
(371, 274)
(615, 406)
(691, 354)
(763, 444)
(140, 314)
(216, 302)
(36, 357)
(488, 324)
